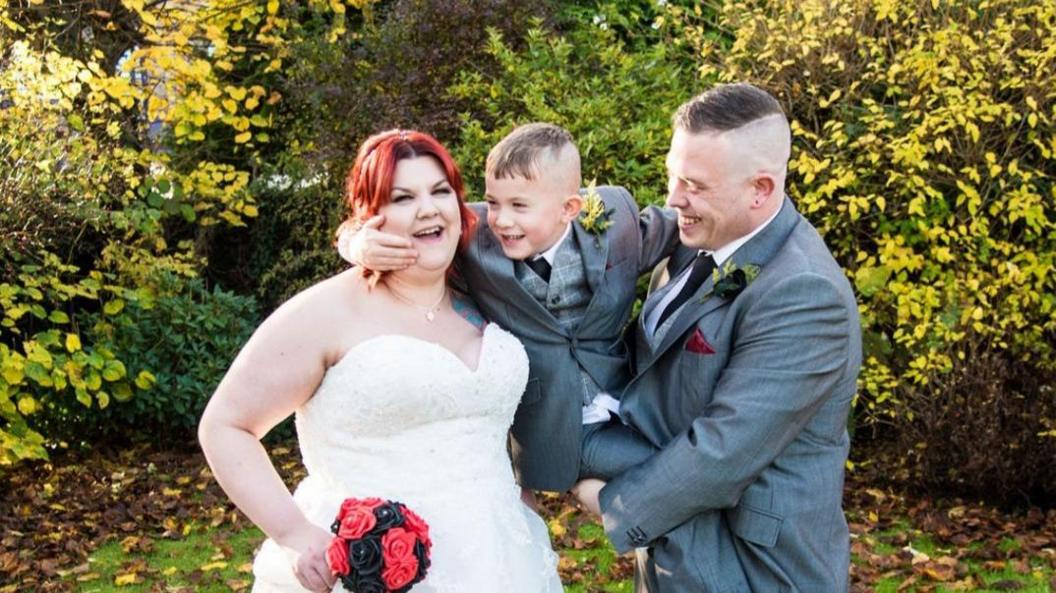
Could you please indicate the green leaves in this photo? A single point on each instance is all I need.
(114, 370)
(615, 98)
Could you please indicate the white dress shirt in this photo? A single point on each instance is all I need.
(720, 256)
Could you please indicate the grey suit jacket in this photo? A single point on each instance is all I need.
(745, 493)
(546, 433)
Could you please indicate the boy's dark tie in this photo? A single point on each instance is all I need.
(541, 267)
(703, 265)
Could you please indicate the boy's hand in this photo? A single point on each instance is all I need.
(372, 249)
(587, 492)
(529, 500)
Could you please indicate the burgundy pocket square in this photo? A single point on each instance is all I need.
(698, 344)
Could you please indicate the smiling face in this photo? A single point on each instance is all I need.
(712, 195)
(424, 207)
(528, 216)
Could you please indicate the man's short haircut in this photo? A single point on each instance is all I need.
(726, 107)
(520, 152)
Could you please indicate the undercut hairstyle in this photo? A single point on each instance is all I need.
(520, 152)
(726, 107)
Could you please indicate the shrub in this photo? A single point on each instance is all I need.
(924, 153)
(294, 238)
(990, 410)
(89, 200)
(614, 96)
(391, 70)
(185, 341)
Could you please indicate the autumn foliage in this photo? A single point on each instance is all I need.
(146, 143)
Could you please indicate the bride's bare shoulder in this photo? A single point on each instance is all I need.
(325, 306)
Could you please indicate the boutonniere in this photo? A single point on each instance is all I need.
(594, 217)
(730, 280)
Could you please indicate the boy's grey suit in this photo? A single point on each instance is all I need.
(745, 493)
(546, 433)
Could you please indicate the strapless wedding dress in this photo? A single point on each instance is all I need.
(404, 419)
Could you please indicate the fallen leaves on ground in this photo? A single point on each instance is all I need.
(53, 515)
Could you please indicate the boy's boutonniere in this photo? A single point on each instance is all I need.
(594, 217)
(730, 280)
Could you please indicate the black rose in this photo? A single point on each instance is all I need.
(349, 581)
(423, 559)
(369, 584)
(388, 516)
(364, 555)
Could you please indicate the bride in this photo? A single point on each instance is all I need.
(400, 392)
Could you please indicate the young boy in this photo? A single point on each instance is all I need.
(561, 282)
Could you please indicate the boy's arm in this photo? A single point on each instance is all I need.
(659, 230)
(375, 250)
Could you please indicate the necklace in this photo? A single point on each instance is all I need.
(430, 312)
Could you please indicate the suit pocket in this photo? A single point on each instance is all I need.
(532, 392)
(755, 525)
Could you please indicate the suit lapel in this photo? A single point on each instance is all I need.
(499, 269)
(758, 251)
(595, 252)
(644, 344)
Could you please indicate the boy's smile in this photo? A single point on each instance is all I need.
(528, 216)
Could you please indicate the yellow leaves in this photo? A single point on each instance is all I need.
(73, 342)
(273, 7)
(145, 380)
(122, 580)
(830, 99)
(243, 137)
(220, 565)
(27, 405)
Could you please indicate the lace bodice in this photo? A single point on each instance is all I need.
(398, 409)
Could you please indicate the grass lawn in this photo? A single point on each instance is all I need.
(214, 560)
(155, 521)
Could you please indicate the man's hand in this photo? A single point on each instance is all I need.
(375, 250)
(587, 492)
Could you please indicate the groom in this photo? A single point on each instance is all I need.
(745, 368)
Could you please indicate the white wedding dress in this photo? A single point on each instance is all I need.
(404, 419)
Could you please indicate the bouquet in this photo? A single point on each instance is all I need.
(379, 546)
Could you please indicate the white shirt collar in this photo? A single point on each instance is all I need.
(723, 253)
(549, 254)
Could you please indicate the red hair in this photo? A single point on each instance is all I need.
(368, 186)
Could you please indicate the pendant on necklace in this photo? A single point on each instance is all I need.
(430, 316)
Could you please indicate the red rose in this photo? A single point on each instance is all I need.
(337, 557)
(397, 575)
(356, 523)
(417, 526)
(397, 545)
(351, 504)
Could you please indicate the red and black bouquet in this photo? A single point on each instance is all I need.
(380, 546)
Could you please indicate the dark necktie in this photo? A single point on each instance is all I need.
(541, 267)
(703, 265)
